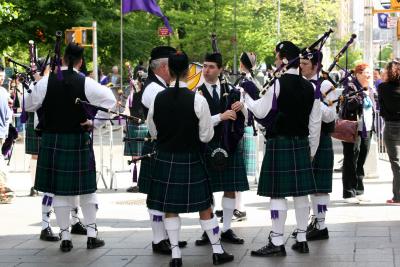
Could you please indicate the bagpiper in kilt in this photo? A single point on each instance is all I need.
(180, 120)
(293, 128)
(32, 136)
(135, 129)
(157, 79)
(324, 158)
(66, 164)
(227, 114)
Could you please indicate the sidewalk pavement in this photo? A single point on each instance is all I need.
(361, 235)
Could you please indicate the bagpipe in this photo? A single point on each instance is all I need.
(348, 76)
(253, 92)
(91, 111)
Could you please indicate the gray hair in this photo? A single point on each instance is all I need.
(157, 63)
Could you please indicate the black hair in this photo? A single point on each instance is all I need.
(315, 56)
(288, 50)
(178, 64)
(244, 58)
(214, 57)
(72, 55)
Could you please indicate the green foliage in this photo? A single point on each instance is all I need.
(193, 21)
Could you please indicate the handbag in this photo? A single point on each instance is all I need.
(346, 130)
(218, 159)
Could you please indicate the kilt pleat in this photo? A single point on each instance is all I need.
(286, 169)
(134, 148)
(180, 183)
(146, 167)
(250, 151)
(66, 165)
(32, 140)
(323, 165)
(234, 178)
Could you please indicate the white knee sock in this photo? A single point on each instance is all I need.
(62, 216)
(74, 215)
(212, 229)
(278, 217)
(47, 204)
(173, 227)
(228, 205)
(301, 206)
(32, 170)
(89, 211)
(157, 225)
(320, 207)
(239, 203)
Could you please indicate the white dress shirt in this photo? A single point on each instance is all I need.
(262, 107)
(151, 92)
(216, 119)
(206, 129)
(328, 112)
(95, 93)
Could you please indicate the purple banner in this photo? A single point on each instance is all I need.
(149, 6)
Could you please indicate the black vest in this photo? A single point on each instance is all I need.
(295, 102)
(60, 113)
(176, 121)
(137, 109)
(214, 109)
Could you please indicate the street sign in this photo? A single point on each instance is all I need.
(383, 20)
(163, 31)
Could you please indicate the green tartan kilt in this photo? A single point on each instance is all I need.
(66, 165)
(286, 169)
(134, 148)
(234, 178)
(32, 140)
(146, 168)
(180, 183)
(250, 147)
(323, 164)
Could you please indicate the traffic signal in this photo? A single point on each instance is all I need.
(73, 36)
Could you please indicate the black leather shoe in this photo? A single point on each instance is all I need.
(78, 229)
(270, 250)
(94, 242)
(230, 237)
(222, 258)
(203, 240)
(66, 245)
(133, 189)
(239, 215)
(219, 213)
(176, 262)
(48, 235)
(301, 247)
(181, 244)
(316, 234)
(33, 192)
(163, 247)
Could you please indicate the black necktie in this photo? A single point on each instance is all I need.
(215, 94)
